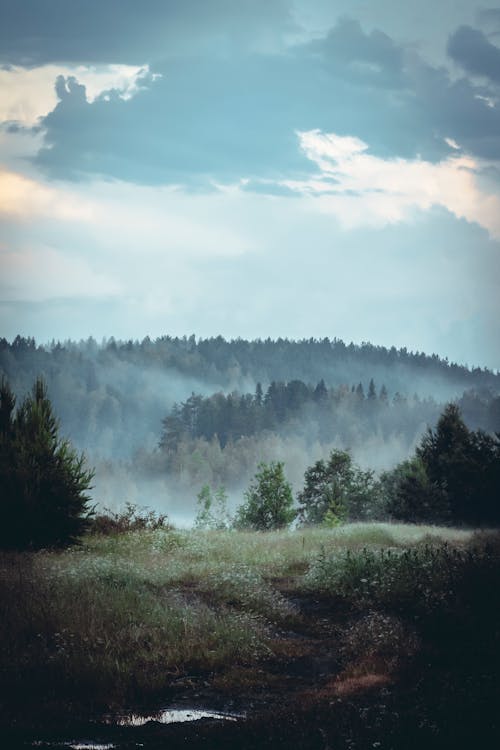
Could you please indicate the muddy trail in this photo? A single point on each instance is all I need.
(337, 679)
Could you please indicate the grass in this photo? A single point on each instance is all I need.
(122, 618)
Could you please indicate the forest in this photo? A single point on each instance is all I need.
(160, 419)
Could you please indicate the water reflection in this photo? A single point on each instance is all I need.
(174, 716)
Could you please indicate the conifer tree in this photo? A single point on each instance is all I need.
(44, 481)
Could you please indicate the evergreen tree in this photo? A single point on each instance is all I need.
(258, 395)
(43, 480)
(372, 393)
(360, 393)
(412, 496)
(320, 392)
(444, 454)
(454, 476)
(383, 395)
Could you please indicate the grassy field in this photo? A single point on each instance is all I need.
(142, 617)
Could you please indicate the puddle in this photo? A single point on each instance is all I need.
(174, 716)
(164, 716)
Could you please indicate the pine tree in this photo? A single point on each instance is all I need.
(44, 481)
(372, 393)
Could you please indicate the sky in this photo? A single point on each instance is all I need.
(252, 168)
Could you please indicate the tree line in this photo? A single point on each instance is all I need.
(453, 478)
(287, 406)
(110, 395)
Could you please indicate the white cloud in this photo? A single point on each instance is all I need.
(144, 243)
(112, 258)
(360, 189)
(24, 198)
(41, 273)
(488, 100)
(28, 93)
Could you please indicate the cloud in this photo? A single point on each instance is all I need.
(63, 276)
(367, 58)
(220, 119)
(489, 16)
(361, 189)
(29, 93)
(125, 31)
(158, 221)
(471, 49)
(247, 269)
(201, 121)
(27, 199)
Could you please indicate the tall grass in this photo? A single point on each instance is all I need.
(124, 615)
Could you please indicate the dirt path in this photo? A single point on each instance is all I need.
(310, 694)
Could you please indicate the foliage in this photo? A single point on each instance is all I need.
(212, 510)
(268, 500)
(412, 496)
(131, 518)
(414, 581)
(337, 489)
(466, 464)
(44, 481)
(235, 415)
(453, 477)
(108, 397)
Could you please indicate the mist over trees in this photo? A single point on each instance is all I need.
(162, 418)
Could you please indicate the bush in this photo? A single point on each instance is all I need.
(44, 481)
(132, 518)
(414, 582)
(268, 500)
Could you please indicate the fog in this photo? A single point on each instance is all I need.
(111, 400)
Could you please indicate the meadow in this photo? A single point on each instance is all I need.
(311, 618)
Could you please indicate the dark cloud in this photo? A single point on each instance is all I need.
(454, 109)
(489, 16)
(471, 49)
(127, 31)
(373, 59)
(224, 118)
(202, 119)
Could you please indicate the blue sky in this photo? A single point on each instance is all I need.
(252, 168)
